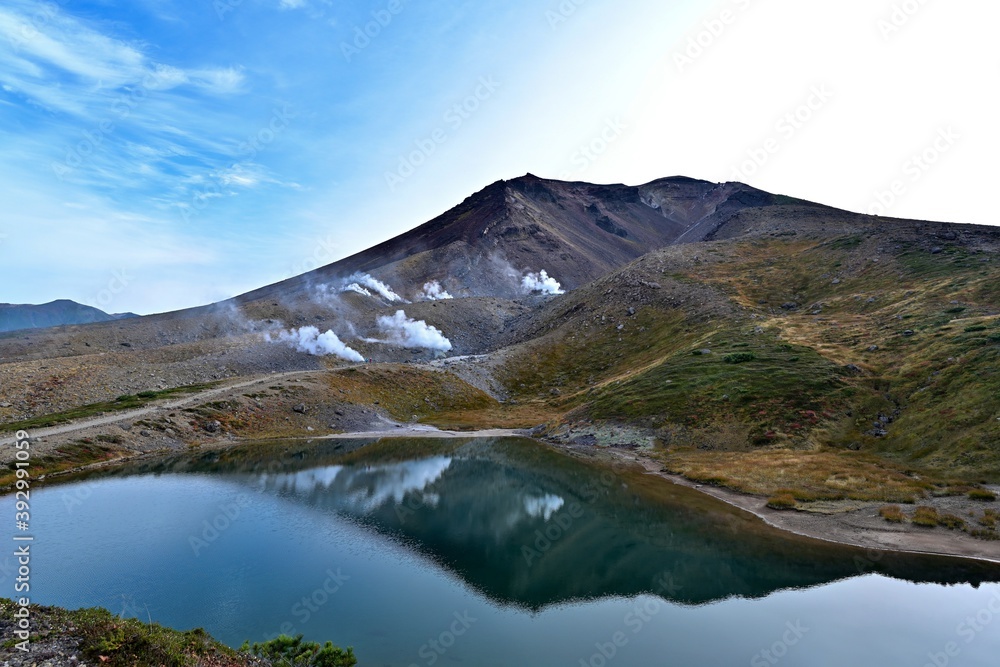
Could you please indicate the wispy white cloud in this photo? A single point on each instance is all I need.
(44, 35)
(221, 80)
(59, 62)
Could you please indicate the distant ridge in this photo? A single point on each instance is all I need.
(16, 317)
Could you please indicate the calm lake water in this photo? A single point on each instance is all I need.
(488, 553)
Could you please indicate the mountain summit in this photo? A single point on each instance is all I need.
(575, 231)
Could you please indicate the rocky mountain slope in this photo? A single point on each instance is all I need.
(577, 232)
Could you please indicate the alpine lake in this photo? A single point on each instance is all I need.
(488, 552)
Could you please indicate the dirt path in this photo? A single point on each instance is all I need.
(131, 415)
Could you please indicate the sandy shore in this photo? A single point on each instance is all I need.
(422, 431)
(852, 523)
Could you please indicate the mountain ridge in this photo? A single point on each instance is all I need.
(576, 231)
(18, 317)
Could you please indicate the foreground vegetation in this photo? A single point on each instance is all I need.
(294, 652)
(96, 636)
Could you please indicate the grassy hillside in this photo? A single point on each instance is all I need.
(879, 340)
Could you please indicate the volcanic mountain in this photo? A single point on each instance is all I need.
(761, 342)
(577, 232)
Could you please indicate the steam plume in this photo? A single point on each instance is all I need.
(541, 282)
(434, 292)
(363, 283)
(402, 331)
(311, 341)
(354, 287)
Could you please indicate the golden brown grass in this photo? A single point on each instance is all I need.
(892, 514)
(784, 501)
(806, 475)
(925, 516)
(405, 392)
(952, 522)
(524, 415)
(982, 495)
(436, 398)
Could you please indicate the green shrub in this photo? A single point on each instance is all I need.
(974, 328)
(739, 357)
(951, 521)
(781, 502)
(709, 479)
(294, 652)
(926, 517)
(983, 495)
(984, 534)
(892, 513)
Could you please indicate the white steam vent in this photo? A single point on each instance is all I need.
(354, 287)
(541, 282)
(434, 292)
(402, 331)
(311, 341)
(362, 283)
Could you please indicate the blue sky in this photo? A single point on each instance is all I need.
(158, 154)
